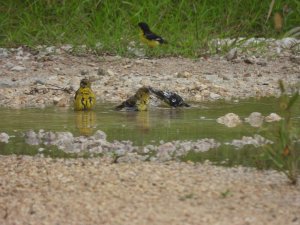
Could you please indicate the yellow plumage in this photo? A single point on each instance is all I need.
(84, 97)
(148, 37)
(150, 43)
(137, 102)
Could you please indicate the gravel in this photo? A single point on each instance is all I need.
(38, 190)
(32, 78)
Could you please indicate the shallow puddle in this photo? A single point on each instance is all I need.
(143, 128)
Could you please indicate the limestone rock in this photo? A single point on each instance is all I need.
(255, 119)
(229, 120)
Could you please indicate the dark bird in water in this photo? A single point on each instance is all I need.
(148, 37)
(138, 102)
(84, 97)
(171, 98)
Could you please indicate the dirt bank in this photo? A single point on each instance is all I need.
(29, 79)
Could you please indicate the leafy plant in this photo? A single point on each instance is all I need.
(285, 152)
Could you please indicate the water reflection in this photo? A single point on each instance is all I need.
(140, 119)
(85, 122)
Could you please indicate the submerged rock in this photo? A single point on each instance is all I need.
(32, 138)
(256, 141)
(229, 120)
(255, 119)
(4, 137)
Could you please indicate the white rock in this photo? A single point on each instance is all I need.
(18, 68)
(232, 54)
(110, 72)
(100, 135)
(214, 96)
(287, 42)
(4, 137)
(229, 120)
(66, 47)
(273, 117)
(32, 138)
(3, 53)
(50, 49)
(256, 141)
(255, 119)
(56, 99)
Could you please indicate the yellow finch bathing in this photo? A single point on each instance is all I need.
(137, 102)
(148, 37)
(84, 97)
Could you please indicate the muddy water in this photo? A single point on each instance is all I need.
(142, 128)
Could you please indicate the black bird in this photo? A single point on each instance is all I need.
(148, 37)
(171, 98)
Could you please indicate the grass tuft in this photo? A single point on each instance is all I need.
(285, 152)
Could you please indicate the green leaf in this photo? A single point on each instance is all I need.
(292, 101)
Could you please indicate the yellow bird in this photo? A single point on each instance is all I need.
(84, 97)
(148, 37)
(137, 102)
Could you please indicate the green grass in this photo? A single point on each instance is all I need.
(285, 152)
(187, 25)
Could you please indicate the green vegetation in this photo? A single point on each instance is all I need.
(285, 152)
(187, 25)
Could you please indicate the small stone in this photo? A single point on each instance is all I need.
(18, 68)
(214, 96)
(229, 120)
(101, 72)
(100, 135)
(4, 137)
(50, 49)
(84, 72)
(110, 72)
(273, 117)
(66, 47)
(56, 100)
(63, 102)
(255, 119)
(249, 61)
(3, 53)
(32, 138)
(261, 63)
(184, 74)
(232, 54)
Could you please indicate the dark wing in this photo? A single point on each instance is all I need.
(129, 103)
(153, 37)
(171, 98)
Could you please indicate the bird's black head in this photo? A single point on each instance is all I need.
(144, 26)
(84, 83)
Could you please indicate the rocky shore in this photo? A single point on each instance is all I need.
(50, 75)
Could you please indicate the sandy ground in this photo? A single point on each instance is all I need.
(92, 191)
(36, 190)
